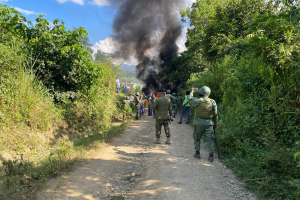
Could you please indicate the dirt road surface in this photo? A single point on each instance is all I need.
(132, 167)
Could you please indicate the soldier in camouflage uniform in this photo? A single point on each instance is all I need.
(126, 108)
(136, 102)
(174, 101)
(153, 99)
(164, 114)
(168, 94)
(205, 120)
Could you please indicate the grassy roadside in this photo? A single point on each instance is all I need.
(21, 179)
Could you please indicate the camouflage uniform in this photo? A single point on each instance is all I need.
(174, 101)
(137, 105)
(126, 108)
(164, 111)
(204, 120)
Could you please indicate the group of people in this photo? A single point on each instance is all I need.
(163, 106)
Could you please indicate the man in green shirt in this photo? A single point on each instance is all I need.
(163, 108)
(174, 101)
(205, 120)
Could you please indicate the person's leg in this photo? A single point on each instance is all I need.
(167, 131)
(137, 111)
(174, 110)
(198, 132)
(181, 114)
(188, 110)
(149, 110)
(209, 137)
(158, 125)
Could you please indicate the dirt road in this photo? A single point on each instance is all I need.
(132, 167)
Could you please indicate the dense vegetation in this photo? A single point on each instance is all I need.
(248, 53)
(55, 99)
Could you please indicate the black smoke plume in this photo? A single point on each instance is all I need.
(148, 30)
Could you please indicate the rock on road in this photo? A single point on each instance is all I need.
(132, 167)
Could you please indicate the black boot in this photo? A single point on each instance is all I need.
(179, 122)
(211, 157)
(197, 155)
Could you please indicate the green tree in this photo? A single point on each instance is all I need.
(100, 56)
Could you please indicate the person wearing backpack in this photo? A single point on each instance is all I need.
(205, 120)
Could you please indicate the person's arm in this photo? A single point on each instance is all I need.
(170, 110)
(154, 105)
(215, 111)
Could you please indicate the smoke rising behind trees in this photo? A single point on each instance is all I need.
(148, 30)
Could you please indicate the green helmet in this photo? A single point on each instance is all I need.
(168, 91)
(173, 93)
(137, 94)
(205, 91)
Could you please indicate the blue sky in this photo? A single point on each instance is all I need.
(95, 15)
(96, 19)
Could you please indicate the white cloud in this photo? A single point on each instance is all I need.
(3, 1)
(26, 12)
(189, 3)
(182, 40)
(109, 46)
(80, 2)
(100, 2)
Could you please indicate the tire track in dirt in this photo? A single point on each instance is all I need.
(132, 167)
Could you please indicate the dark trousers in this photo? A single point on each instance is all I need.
(149, 111)
(188, 110)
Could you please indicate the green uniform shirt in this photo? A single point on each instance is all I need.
(201, 121)
(163, 107)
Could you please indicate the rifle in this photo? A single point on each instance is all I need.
(217, 144)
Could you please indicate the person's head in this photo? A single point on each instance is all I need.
(160, 93)
(149, 95)
(168, 91)
(204, 92)
(174, 94)
(187, 92)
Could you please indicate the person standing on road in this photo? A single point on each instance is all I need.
(131, 99)
(152, 102)
(141, 106)
(185, 107)
(137, 105)
(149, 102)
(118, 85)
(205, 120)
(174, 101)
(163, 116)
